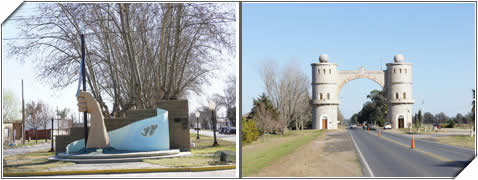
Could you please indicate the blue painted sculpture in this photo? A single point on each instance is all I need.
(151, 134)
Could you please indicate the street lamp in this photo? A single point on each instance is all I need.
(51, 132)
(212, 107)
(197, 124)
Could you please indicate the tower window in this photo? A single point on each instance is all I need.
(394, 70)
(330, 71)
(396, 95)
(321, 97)
(400, 70)
(405, 70)
(318, 71)
(404, 95)
(324, 71)
(328, 96)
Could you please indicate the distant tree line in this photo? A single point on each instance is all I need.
(375, 110)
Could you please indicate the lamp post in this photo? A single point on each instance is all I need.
(51, 132)
(212, 107)
(197, 124)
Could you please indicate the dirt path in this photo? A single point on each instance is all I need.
(332, 155)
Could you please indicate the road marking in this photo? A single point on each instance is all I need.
(361, 156)
(441, 158)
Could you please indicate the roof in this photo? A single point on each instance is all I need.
(12, 121)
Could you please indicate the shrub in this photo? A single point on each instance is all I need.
(451, 124)
(250, 132)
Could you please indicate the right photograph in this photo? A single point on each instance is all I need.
(358, 89)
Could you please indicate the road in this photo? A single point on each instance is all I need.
(26, 149)
(390, 155)
(230, 137)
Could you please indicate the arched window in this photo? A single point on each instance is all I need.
(318, 71)
(321, 97)
(324, 71)
(396, 95)
(330, 71)
(405, 70)
(328, 96)
(400, 70)
(394, 70)
(404, 95)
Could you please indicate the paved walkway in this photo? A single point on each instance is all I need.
(202, 174)
(106, 166)
(26, 149)
(229, 137)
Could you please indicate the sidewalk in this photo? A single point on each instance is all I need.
(229, 137)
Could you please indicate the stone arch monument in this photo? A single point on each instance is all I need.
(327, 83)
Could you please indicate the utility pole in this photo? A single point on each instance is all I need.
(23, 117)
(83, 75)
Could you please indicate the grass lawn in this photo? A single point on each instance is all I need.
(202, 153)
(260, 154)
(462, 141)
(32, 162)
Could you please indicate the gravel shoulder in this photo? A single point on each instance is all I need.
(332, 155)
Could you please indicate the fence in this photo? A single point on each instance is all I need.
(40, 134)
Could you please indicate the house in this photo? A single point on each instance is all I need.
(12, 130)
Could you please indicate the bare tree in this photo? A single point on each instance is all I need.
(228, 99)
(287, 90)
(136, 54)
(265, 120)
(10, 109)
(38, 114)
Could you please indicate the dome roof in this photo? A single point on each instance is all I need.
(323, 58)
(398, 58)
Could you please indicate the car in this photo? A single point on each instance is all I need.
(222, 130)
(352, 126)
(436, 126)
(230, 130)
(387, 126)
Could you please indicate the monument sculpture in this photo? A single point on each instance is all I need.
(150, 134)
(327, 83)
(98, 135)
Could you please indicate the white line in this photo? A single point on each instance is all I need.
(361, 156)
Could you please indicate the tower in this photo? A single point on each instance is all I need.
(324, 94)
(398, 87)
(327, 83)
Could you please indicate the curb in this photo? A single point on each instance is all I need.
(117, 171)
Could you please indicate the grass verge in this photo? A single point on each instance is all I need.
(202, 153)
(31, 162)
(260, 154)
(461, 140)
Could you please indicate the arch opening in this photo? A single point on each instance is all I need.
(354, 95)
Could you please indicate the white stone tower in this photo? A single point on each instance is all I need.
(398, 90)
(327, 83)
(324, 94)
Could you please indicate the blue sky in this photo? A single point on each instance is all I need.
(439, 39)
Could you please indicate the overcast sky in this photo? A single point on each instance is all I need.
(14, 71)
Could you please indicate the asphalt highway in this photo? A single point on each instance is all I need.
(390, 155)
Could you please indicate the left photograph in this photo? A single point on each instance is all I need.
(120, 90)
